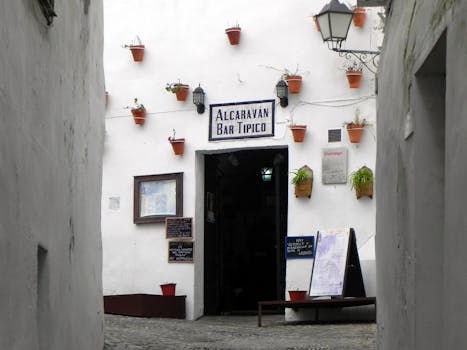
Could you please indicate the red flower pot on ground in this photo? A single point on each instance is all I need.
(168, 289)
(233, 34)
(297, 294)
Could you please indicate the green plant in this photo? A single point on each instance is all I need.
(361, 177)
(357, 119)
(173, 87)
(137, 106)
(299, 175)
(135, 42)
(352, 65)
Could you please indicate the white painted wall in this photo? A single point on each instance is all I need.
(185, 40)
(51, 144)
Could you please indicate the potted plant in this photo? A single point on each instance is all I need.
(294, 81)
(137, 49)
(178, 145)
(362, 181)
(303, 181)
(138, 111)
(353, 72)
(168, 289)
(355, 127)
(298, 132)
(180, 90)
(359, 14)
(297, 294)
(233, 33)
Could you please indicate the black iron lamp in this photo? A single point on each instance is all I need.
(334, 21)
(282, 92)
(198, 99)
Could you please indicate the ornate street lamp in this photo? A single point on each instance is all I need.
(198, 99)
(334, 21)
(282, 91)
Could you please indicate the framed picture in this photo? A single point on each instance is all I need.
(157, 197)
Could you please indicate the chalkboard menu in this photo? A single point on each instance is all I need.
(178, 227)
(180, 252)
(300, 247)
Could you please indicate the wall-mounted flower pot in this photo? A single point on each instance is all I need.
(315, 19)
(354, 77)
(303, 182)
(359, 14)
(168, 289)
(365, 190)
(294, 82)
(178, 146)
(138, 52)
(139, 115)
(182, 92)
(298, 132)
(233, 34)
(355, 132)
(297, 294)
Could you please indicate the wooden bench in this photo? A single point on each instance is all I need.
(316, 304)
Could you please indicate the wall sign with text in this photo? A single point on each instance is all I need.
(240, 120)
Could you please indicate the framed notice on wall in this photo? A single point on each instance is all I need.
(334, 165)
(178, 227)
(181, 251)
(300, 247)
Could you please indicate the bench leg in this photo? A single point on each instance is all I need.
(260, 314)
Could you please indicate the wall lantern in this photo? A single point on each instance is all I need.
(282, 92)
(334, 21)
(198, 99)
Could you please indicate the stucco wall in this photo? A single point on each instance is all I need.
(186, 40)
(420, 229)
(51, 138)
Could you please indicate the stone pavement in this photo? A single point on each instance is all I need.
(235, 333)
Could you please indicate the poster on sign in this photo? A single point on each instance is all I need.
(241, 120)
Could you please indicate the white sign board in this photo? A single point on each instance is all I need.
(330, 263)
(241, 120)
(334, 166)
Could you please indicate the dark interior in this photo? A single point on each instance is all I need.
(245, 226)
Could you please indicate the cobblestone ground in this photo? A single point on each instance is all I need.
(234, 333)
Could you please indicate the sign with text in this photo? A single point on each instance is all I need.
(181, 252)
(299, 247)
(240, 120)
(334, 166)
(178, 227)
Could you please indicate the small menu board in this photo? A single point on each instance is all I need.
(300, 247)
(181, 252)
(176, 227)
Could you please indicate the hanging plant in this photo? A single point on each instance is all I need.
(180, 90)
(359, 14)
(355, 127)
(362, 181)
(233, 34)
(298, 132)
(138, 111)
(137, 49)
(353, 72)
(294, 80)
(303, 181)
(178, 145)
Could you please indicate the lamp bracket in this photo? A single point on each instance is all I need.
(367, 58)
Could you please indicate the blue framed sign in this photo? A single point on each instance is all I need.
(241, 120)
(302, 247)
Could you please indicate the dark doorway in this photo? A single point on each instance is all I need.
(245, 226)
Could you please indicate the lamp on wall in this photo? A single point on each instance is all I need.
(282, 92)
(334, 21)
(198, 99)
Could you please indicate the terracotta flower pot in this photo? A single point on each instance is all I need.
(178, 146)
(316, 23)
(365, 190)
(355, 132)
(304, 188)
(139, 115)
(359, 15)
(138, 52)
(294, 82)
(297, 294)
(233, 34)
(168, 289)
(354, 77)
(298, 132)
(182, 92)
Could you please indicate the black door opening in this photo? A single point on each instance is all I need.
(245, 226)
